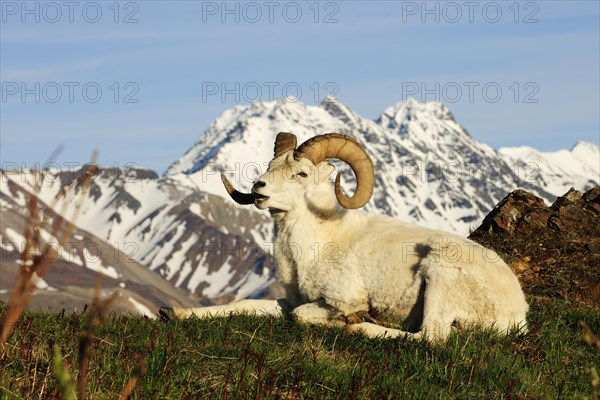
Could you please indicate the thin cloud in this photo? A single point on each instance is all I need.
(50, 71)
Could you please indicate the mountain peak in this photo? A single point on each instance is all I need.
(583, 145)
(412, 116)
(411, 108)
(329, 99)
(338, 110)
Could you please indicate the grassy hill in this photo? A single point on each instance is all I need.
(252, 358)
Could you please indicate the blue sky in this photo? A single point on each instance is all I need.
(513, 73)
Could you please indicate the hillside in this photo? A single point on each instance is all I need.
(70, 282)
(158, 223)
(249, 358)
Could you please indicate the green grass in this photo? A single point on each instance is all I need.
(251, 357)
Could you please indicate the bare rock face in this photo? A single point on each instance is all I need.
(515, 209)
(554, 250)
(575, 210)
(522, 211)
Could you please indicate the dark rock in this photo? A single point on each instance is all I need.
(515, 207)
(555, 250)
(593, 247)
(430, 205)
(572, 196)
(522, 211)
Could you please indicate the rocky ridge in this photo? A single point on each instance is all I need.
(555, 250)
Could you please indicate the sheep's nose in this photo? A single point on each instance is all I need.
(259, 184)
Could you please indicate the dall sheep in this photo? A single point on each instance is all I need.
(343, 266)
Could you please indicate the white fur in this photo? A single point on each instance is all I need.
(335, 262)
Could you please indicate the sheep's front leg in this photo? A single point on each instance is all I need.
(318, 313)
(274, 308)
(377, 331)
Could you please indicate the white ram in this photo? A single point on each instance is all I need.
(344, 266)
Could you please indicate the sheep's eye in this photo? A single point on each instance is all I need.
(302, 174)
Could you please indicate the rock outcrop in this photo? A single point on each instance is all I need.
(555, 250)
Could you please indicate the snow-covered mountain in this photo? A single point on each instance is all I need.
(429, 170)
(578, 167)
(71, 281)
(183, 226)
(191, 239)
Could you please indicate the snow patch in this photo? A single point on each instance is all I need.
(93, 262)
(16, 238)
(142, 309)
(195, 208)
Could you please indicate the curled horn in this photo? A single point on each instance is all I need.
(345, 148)
(284, 142)
(237, 196)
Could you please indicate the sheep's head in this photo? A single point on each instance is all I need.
(299, 176)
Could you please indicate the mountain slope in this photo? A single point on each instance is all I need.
(578, 167)
(429, 169)
(190, 239)
(71, 280)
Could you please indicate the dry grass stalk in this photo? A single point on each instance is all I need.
(139, 370)
(35, 263)
(63, 376)
(99, 311)
(590, 338)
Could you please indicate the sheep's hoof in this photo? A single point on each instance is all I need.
(353, 319)
(367, 317)
(166, 313)
(359, 317)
